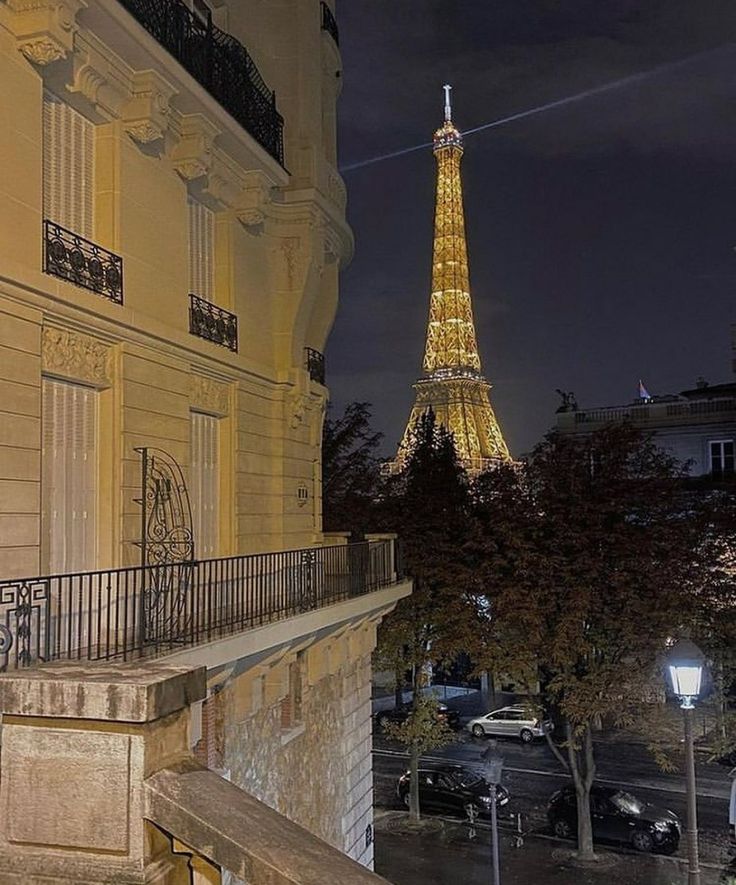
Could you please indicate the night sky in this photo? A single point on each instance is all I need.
(601, 233)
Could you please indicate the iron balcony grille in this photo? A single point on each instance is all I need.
(207, 320)
(79, 261)
(128, 613)
(329, 23)
(219, 63)
(315, 364)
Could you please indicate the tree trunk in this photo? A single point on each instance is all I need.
(720, 702)
(582, 769)
(414, 810)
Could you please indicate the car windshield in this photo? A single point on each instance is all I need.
(628, 803)
(469, 778)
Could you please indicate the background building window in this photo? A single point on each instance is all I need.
(205, 484)
(721, 458)
(68, 167)
(69, 476)
(201, 249)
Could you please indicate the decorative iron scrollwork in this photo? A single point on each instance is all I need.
(24, 635)
(208, 321)
(79, 261)
(166, 539)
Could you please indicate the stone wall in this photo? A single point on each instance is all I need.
(312, 764)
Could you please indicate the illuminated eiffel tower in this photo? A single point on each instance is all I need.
(452, 384)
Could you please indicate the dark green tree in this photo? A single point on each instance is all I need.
(350, 471)
(427, 504)
(585, 556)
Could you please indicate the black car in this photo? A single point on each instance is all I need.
(401, 714)
(451, 788)
(617, 816)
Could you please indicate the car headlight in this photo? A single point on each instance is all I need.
(662, 826)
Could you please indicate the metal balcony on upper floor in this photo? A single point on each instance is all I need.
(82, 262)
(219, 62)
(329, 23)
(213, 323)
(314, 362)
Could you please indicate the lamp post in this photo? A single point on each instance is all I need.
(685, 665)
(492, 768)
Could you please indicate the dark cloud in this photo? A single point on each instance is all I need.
(600, 233)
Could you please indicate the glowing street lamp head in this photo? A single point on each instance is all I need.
(685, 665)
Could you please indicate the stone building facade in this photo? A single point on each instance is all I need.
(172, 227)
(108, 137)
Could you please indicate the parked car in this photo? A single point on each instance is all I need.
(514, 721)
(617, 816)
(451, 788)
(401, 714)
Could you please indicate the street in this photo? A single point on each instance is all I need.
(531, 774)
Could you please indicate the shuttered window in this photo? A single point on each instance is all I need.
(201, 249)
(205, 484)
(69, 476)
(68, 167)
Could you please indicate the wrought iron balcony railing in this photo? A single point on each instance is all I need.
(207, 320)
(148, 610)
(79, 261)
(314, 362)
(329, 23)
(218, 62)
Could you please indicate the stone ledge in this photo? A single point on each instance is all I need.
(236, 831)
(124, 692)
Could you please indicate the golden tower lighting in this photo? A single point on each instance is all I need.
(452, 384)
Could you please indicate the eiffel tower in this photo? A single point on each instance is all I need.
(452, 384)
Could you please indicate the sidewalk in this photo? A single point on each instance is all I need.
(450, 857)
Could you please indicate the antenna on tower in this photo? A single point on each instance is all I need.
(448, 105)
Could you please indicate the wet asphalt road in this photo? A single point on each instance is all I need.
(532, 774)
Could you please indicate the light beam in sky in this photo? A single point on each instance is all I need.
(560, 102)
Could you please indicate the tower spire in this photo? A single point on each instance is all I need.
(448, 103)
(452, 384)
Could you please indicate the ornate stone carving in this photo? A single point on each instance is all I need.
(44, 29)
(209, 395)
(254, 197)
(296, 407)
(43, 51)
(76, 356)
(193, 155)
(146, 115)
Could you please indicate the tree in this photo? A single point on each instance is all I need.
(428, 505)
(584, 554)
(350, 471)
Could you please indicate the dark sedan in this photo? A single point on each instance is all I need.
(401, 714)
(617, 816)
(452, 788)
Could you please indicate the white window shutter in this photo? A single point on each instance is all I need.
(201, 248)
(68, 167)
(205, 484)
(69, 461)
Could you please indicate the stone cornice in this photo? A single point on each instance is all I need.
(44, 29)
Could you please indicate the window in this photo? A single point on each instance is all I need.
(201, 249)
(69, 476)
(68, 167)
(721, 458)
(205, 484)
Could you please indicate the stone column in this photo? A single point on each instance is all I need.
(77, 743)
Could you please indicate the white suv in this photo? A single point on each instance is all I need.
(515, 721)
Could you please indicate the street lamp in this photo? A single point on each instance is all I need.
(685, 665)
(492, 768)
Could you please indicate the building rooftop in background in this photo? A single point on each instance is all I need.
(697, 426)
